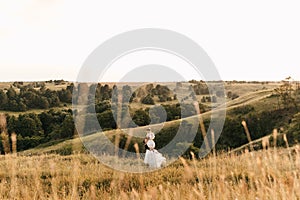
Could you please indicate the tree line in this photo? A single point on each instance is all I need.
(35, 129)
(29, 97)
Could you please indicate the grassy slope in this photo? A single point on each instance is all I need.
(271, 174)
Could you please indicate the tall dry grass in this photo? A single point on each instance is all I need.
(268, 174)
(271, 173)
(4, 136)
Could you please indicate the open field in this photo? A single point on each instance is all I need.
(244, 88)
(268, 174)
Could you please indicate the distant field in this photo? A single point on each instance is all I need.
(244, 88)
(52, 86)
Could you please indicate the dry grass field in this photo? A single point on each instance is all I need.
(244, 88)
(267, 174)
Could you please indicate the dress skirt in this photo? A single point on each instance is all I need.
(154, 159)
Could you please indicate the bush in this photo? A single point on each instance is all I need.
(141, 118)
(148, 100)
(294, 130)
(65, 150)
(243, 110)
(28, 142)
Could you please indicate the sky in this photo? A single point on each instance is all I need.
(246, 40)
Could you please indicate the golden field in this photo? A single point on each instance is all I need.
(266, 174)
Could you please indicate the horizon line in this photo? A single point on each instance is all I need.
(175, 81)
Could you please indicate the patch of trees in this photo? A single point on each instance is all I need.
(259, 125)
(18, 84)
(94, 93)
(57, 82)
(174, 111)
(232, 95)
(250, 82)
(162, 92)
(148, 100)
(30, 98)
(287, 95)
(35, 129)
(242, 110)
(209, 99)
(103, 92)
(200, 89)
(141, 117)
(105, 119)
(162, 113)
(293, 131)
(108, 114)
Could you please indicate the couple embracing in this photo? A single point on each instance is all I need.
(152, 157)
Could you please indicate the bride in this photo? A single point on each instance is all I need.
(153, 158)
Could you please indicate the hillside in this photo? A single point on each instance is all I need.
(48, 128)
(257, 99)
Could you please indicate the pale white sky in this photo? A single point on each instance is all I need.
(247, 40)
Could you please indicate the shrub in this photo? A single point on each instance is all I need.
(148, 100)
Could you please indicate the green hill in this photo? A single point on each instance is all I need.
(257, 101)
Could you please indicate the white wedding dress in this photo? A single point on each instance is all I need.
(153, 158)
